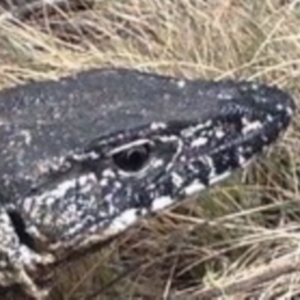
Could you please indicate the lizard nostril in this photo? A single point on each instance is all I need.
(20, 228)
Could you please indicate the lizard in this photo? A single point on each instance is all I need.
(85, 157)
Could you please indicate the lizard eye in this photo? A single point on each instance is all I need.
(133, 159)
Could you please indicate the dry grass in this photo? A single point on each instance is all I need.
(240, 240)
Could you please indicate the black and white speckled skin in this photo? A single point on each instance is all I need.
(62, 192)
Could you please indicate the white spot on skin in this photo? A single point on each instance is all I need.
(195, 187)
(108, 173)
(200, 92)
(183, 159)
(34, 232)
(156, 163)
(123, 221)
(181, 84)
(117, 185)
(53, 164)
(161, 203)
(177, 180)
(241, 158)
(219, 134)
(167, 138)
(250, 126)
(289, 111)
(190, 131)
(254, 86)
(156, 126)
(27, 136)
(201, 141)
(279, 107)
(84, 156)
(86, 182)
(210, 164)
(104, 182)
(224, 96)
(265, 139)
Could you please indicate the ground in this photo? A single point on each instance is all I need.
(240, 240)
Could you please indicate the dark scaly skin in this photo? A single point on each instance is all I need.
(63, 188)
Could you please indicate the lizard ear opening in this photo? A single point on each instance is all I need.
(132, 159)
(18, 223)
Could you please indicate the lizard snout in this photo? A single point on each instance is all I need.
(270, 101)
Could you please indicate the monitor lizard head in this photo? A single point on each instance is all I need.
(98, 191)
(85, 157)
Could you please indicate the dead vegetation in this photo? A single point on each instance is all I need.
(242, 239)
